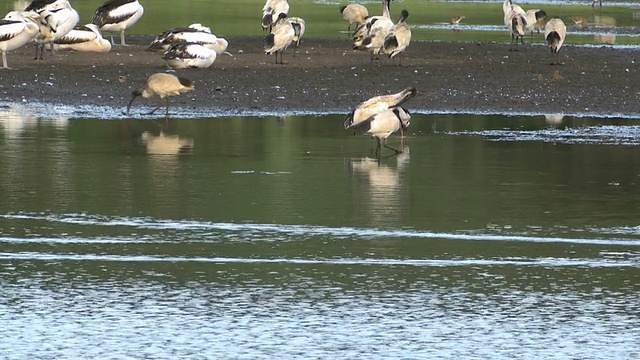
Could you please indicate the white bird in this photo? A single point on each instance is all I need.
(15, 32)
(354, 13)
(195, 33)
(381, 125)
(83, 38)
(39, 5)
(398, 38)
(117, 16)
(364, 29)
(189, 55)
(456, 19)
(280, 38)
(56, 21)
(554, 33)
(378, 104)
(164, 86)
(271, 12)
(299, 27)
(536, 19)
(377, 30)
(517, 20)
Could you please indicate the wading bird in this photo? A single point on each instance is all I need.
(595, 1)
(164, 86)
(381, 125)
(536, 19)
(456, 19)
(378, 104)
(354, 13)
(280, 38)
(189, 55)
(398, 38)
(271, 12)
(15, 31)
(83, 38)
(554, 33)
(116, 16)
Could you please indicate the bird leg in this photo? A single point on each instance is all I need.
(157, 107)
(122, 42)
(167, 112)
(4, 60)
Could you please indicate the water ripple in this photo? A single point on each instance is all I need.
(296, 230)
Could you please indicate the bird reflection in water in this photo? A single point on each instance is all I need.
(164, 144)
(380, 186)
(553, 119)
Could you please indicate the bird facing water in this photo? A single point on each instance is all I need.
(378, 104)
(164, 86)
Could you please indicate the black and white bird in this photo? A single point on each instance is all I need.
(381, 125)
(85, 38)
(164, 86)
(378, 104)
(195, 34)
(281, 36)
(517, 22)
(116, 16)
(15, 32)
(398, 38)
(536, 20)
(271, 12)
(354, 13)
(377, 28)
(554, 33)
(299, 26)
(189, 55)
(56, 21)
(39, 5)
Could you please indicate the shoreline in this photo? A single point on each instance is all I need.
(326, 77)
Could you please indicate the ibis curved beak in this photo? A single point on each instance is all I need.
(131, 102)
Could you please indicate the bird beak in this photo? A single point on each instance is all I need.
(131, 102)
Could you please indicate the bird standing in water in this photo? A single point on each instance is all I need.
(164, 86)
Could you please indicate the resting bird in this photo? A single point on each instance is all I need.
(189, 55)
(281, 36)
(195, 34)
(83, 38)
(554, 33)
(117, 16)
(381, 125)
(56, 20)
(378, 104)
(354, 13)
(377, 30)
(164, 86)
(398, 38)
(15, 32)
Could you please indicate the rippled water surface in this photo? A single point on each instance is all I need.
(489, 237)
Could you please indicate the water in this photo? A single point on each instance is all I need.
(256, 237)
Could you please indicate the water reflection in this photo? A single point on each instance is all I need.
(604, 22)
(380, 185)
(164, 144)
(553, 119)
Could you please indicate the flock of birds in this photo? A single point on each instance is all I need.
(55, 23)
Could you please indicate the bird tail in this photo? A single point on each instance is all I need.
(341, 10)
(553, 39)
(349, 121)
(390, 44)
(269, 41)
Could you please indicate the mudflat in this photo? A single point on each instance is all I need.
(327, 76)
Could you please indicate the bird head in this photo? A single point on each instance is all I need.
(134, 94)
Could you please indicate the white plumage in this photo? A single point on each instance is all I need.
(554, 33)
(398, 38)
(189, 55)
(381, 125)
(370, 35)
(280, 38)
(116, 16)
(195, 33)
(378, 104)
(83, 38)
(15, 32)
(354, 13)
(272, 11)
(56, 21)
(164, 86)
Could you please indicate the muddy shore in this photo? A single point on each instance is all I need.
(326, 76)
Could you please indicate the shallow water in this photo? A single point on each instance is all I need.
(489, 237)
